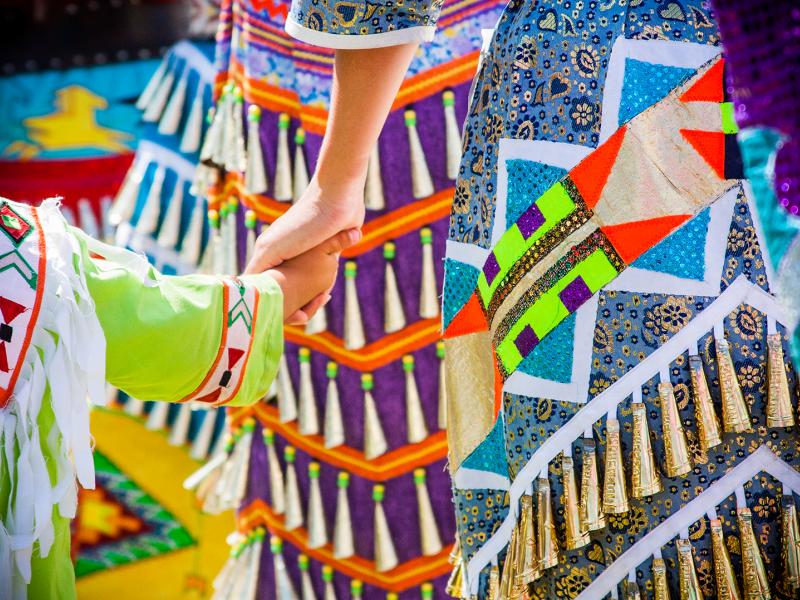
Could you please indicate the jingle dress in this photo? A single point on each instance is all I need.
(620, 401)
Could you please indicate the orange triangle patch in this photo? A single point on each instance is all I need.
(710, 86)
(591, 174)
(710, 145)
(633, 239)
(470, 319)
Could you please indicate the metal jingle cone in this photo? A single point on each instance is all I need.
(735, 413)
(615, 496)
(676, 449)
(756, 585)
(591, 513)
(708, 428)
(645, 479)
(779, 399)
(577, 535)
(727, 586)
(687, 574)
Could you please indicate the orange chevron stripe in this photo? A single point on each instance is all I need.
(372, 356)
(389, 466)
(314, 119)
(406, 575)
(377, 231)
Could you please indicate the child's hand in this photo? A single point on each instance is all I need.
(307, 279)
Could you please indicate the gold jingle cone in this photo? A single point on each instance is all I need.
(660, 584)
(591, 513)
(455, 583)
(527, 562)
(727, 586)
(493, 592)
(689, 584)
(645, 479)
(779, 399)
(705, 414)
(790, 546)
(577, 535)
(547, 555)
(677, 461)
(735, 413)
(615, 496)
(756, 586)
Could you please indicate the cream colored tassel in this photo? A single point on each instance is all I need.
(306, 585)
(756, 585)
(134, 407)
(205, 478)
(283, 165)
(233, 495)
(317, 533)
(421, 183)
(308, 421)
(202, 441)
(385, 554)
(287, 403)
(428, 530)
(216, 249)
(317, 323)
(107, 228)
(215, 134)
(343, 545)
(416, 429)
(373, 190)
(225, 578)
(615, 496)
(213, 477)
(254, 566)
(294, 507)
(353, 325)
(170, 230)
(300, 169)
(277, 489)
(151, 211)
(255, 176)
(374, 439)
(152, 85)
(88, 220)
(284, 590)
(334, 426)
(442, 408)
(428, 294)
(159, 100)
(677, 461)
(125, 203)
(394, 318)
(171, 118)
(179, 432)
(452, 134)
(250, 226)
(192, 132)
(233, 149)
(157, 419)
(327, 578)
(193, 238)
(231, 243)
(779, 399)
(735, 413)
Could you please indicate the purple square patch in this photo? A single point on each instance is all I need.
(575, 294)
(526, 341)
(530, 221)
(491, 268)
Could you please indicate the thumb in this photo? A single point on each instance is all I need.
(342, 240)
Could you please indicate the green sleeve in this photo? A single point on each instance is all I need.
(164, 334)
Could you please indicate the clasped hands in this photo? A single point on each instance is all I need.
(301, 249)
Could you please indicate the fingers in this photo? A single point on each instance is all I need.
(342, 240)
(302, 315)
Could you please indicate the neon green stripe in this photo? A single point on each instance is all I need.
(728, 119)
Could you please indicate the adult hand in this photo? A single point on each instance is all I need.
(316, 217)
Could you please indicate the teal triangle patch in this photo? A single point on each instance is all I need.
(459, 283)
(490, 455)
(683, 253)
(527, 180)
(646, 83)
(552, 358)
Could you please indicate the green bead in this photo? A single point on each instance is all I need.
(343, 479)
(425, 235)
(276, 544)
(283, 121)
(389, 250)
(410, 118)
(250, 219)
(300, 136)
(448, 98)
(213, 218)
(269, 436)
(249, 424)
(327, 573)
(254, 113)
(408, 363)
(304, 355)
(313, 470)
(378, 493)
(367, 382)
(289, 453)
(303, 562)
(350, 269)
(440, 349)
(332, 370)
(419, 475)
